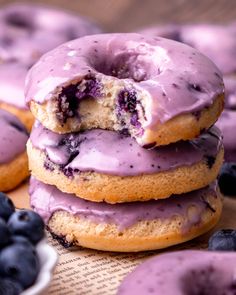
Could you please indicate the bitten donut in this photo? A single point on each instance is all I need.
(12, 99)
(183, 272)
(27, 31)
(158, 90)
(102, 165)
(13, 157)
(136, 226)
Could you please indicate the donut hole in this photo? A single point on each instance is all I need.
(204, 280)
(18, 20)
(124, 66)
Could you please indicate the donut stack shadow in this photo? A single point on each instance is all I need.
(103, 187)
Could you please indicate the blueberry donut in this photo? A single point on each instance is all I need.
(136, 226)
(227, 121)
(100, 165)
(183, 272)
(28, 31)
(13, 157)
(12, 99)
(157, 90)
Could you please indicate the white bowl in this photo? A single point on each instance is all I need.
(48, 259)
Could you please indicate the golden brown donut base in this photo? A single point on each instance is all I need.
(25, 116)
(14, 172)
(101, 114)
(99, 187)
(142, 236)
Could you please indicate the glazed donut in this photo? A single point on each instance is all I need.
(136, 226)
(184, 272)
(12, 99)
(158, 90)
(28, 31)
(13, 157)
(99, 165)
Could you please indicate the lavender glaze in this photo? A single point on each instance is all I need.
(175, 78)
(110, 152)
(12, 77)
(184, 272)
(13, 137)
(46, 199)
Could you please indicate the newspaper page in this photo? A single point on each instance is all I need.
(84, 271)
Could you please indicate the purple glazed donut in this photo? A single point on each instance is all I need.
(28, 31)
(185, 272)
(126, 82)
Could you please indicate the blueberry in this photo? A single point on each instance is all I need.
(227, 179)
(223, 240)
(4, 233)
(9, 287)
(24, 241)
(6, 206)
(27, 223)
(20, 264)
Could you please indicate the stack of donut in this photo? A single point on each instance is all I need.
(122, 154)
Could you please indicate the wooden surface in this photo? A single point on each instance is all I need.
(128, 15)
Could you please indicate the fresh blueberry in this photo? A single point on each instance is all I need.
(24, 241)
(9, 287)
(4, 233)
(20, 264)
(223, 240)
(6, 206)
(27, 223)
(227, 179)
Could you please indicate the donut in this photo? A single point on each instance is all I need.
(13, 157)
(99, 165)
(27, 30)
(183, 272)
(12, 99)
(135, 226)
(157, 90)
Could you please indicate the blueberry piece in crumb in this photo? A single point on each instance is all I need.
(27, 223)
(227, 179)
(6, 206)
(4, 233)
(9, 287)
(19, 264)
(223, 240)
